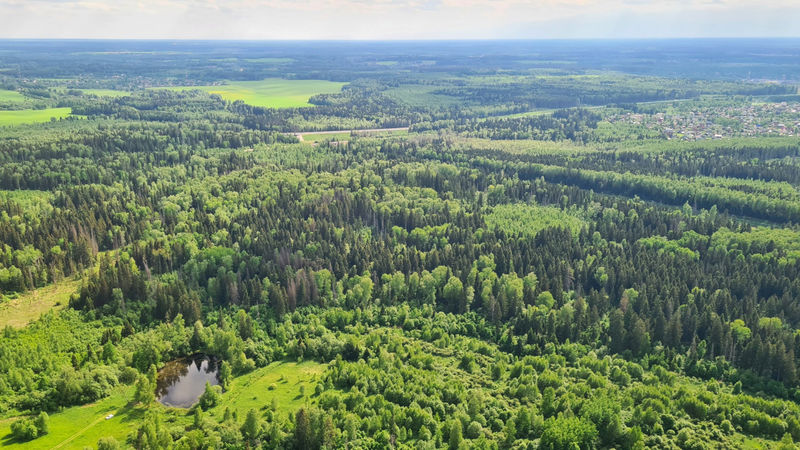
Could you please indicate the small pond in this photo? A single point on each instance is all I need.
(183, 381)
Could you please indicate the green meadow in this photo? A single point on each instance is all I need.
(290, 384)
(9, 118)
(7, 96)
(272, 92)
(317, 137)
(26, 308)
(82, 426)
(420, 95)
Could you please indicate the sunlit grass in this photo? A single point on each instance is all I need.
(10, 118)
(82, 426)
(272, 92)
(7, 96)
(26, 308)
(281, 381)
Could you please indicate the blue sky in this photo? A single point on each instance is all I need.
(397, 19)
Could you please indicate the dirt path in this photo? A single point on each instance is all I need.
(80, 432)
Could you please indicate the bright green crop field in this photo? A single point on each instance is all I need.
(272, 92)
(8, 118)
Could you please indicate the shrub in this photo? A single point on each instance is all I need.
(474, 430)
(28, 429)
(24, 430)
(108, 443)
(210, 397)
(567, 433)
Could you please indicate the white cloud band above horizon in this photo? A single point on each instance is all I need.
(396, 19)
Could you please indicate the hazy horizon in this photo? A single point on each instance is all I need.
(401, 40)
(400, 20)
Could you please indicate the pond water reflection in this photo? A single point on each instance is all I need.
(183, 381)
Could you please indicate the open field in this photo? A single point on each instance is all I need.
(29, 306)
(105, 92)
(81, 426)
(315, 138)
(281, 381)
(7, 96)
(420, 95)
(319, 136)
(272, 92)
(9, 118)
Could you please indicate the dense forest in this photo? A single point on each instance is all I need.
(525, 263)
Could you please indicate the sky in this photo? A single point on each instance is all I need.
(397, 19)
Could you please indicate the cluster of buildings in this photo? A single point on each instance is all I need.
(717, 122)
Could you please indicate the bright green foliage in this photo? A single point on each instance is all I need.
(455, 438)
(224, 374)
(567, 433)
(251, 428)
(29, 429)
(210, 397)
(145, 391)
(108, 443)
(529, 219)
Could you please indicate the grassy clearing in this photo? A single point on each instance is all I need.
(539, 112)
(272, 92)
(525, 147)
(420, 95)
(26, 308)
(281, 381)
(383, 134)
(10, 118)
(315, 138)
(105, 92)
(82, 426)
(7, 96)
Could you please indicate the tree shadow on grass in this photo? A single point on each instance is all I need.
(8, 440)
(130, 413)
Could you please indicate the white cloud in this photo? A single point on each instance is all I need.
(395, 19)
